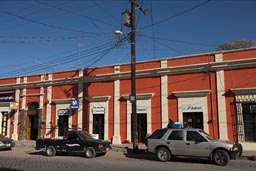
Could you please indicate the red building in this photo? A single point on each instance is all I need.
(213, 91)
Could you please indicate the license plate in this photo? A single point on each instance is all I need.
(8, 145)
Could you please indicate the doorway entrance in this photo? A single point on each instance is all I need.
(63, 120)
(98, 125)
(193, 120)
(32, 127)
(32, 121)
(4, 123)
(141, 126)
(62, 124)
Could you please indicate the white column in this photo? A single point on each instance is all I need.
(16, 118)
(24, 109)
(128, 120)
(80, 98)
(48, 108)
(24, 92)
(41, 102)
(116, 137)
(164, 95)
(220, 81)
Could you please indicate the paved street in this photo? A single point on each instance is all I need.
(27, 159)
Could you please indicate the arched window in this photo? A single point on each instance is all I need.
(33, 105)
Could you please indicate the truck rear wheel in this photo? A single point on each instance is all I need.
(90, 152)
(50, 151)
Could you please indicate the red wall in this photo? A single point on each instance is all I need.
(33, 78)
(190, 60)
(188, 82)
(234, 55)
(7, 81)
(67, 74)
(240, 78)
(105, 89)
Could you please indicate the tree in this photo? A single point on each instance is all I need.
(237, 44)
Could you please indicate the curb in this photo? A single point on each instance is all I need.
(124, 148)
(25, 143)
(119, 149)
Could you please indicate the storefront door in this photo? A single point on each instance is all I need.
(193, 120)
(4, 123)
(62, 124)
(32, 124)
(98, 125)
(141, 125)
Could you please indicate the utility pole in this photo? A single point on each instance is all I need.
(128, 20)
(133, 78)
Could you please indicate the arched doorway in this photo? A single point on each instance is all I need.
(32, 121)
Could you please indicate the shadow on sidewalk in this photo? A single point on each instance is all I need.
(33, 152)
(139, 154)
(144, 155)
(9, 169)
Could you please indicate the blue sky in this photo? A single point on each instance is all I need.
(41, 36)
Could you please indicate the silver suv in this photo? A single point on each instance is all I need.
(166, 143)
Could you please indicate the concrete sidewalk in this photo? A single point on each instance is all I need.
(247, 154)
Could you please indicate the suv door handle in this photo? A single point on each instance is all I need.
(187, 143)
(168, 142)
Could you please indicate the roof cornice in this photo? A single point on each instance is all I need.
(155, 72)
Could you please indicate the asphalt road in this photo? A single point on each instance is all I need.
(28, 159)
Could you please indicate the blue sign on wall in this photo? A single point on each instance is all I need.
(74, 104)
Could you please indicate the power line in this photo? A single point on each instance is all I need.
(35, 39)
(178, 14)
(62, 60)
(179, 41)
(44, 24)
(103, 9)
(153, 32)
(92, 20)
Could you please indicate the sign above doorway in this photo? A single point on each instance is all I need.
(192, 108)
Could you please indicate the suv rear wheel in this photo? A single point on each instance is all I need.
(163, 154)
(220, 157)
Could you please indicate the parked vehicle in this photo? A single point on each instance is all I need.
(189, 142)
(6, 143)
(74, 142)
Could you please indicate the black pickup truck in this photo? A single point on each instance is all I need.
(74, 142)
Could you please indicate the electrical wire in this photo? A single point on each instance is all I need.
(104, 10)
(176, 15)
(153, 32)
(179, 41)
(62, 60)
(38, 39)
(45, 24)
(92, 20)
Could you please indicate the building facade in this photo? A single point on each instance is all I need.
(212, 91)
